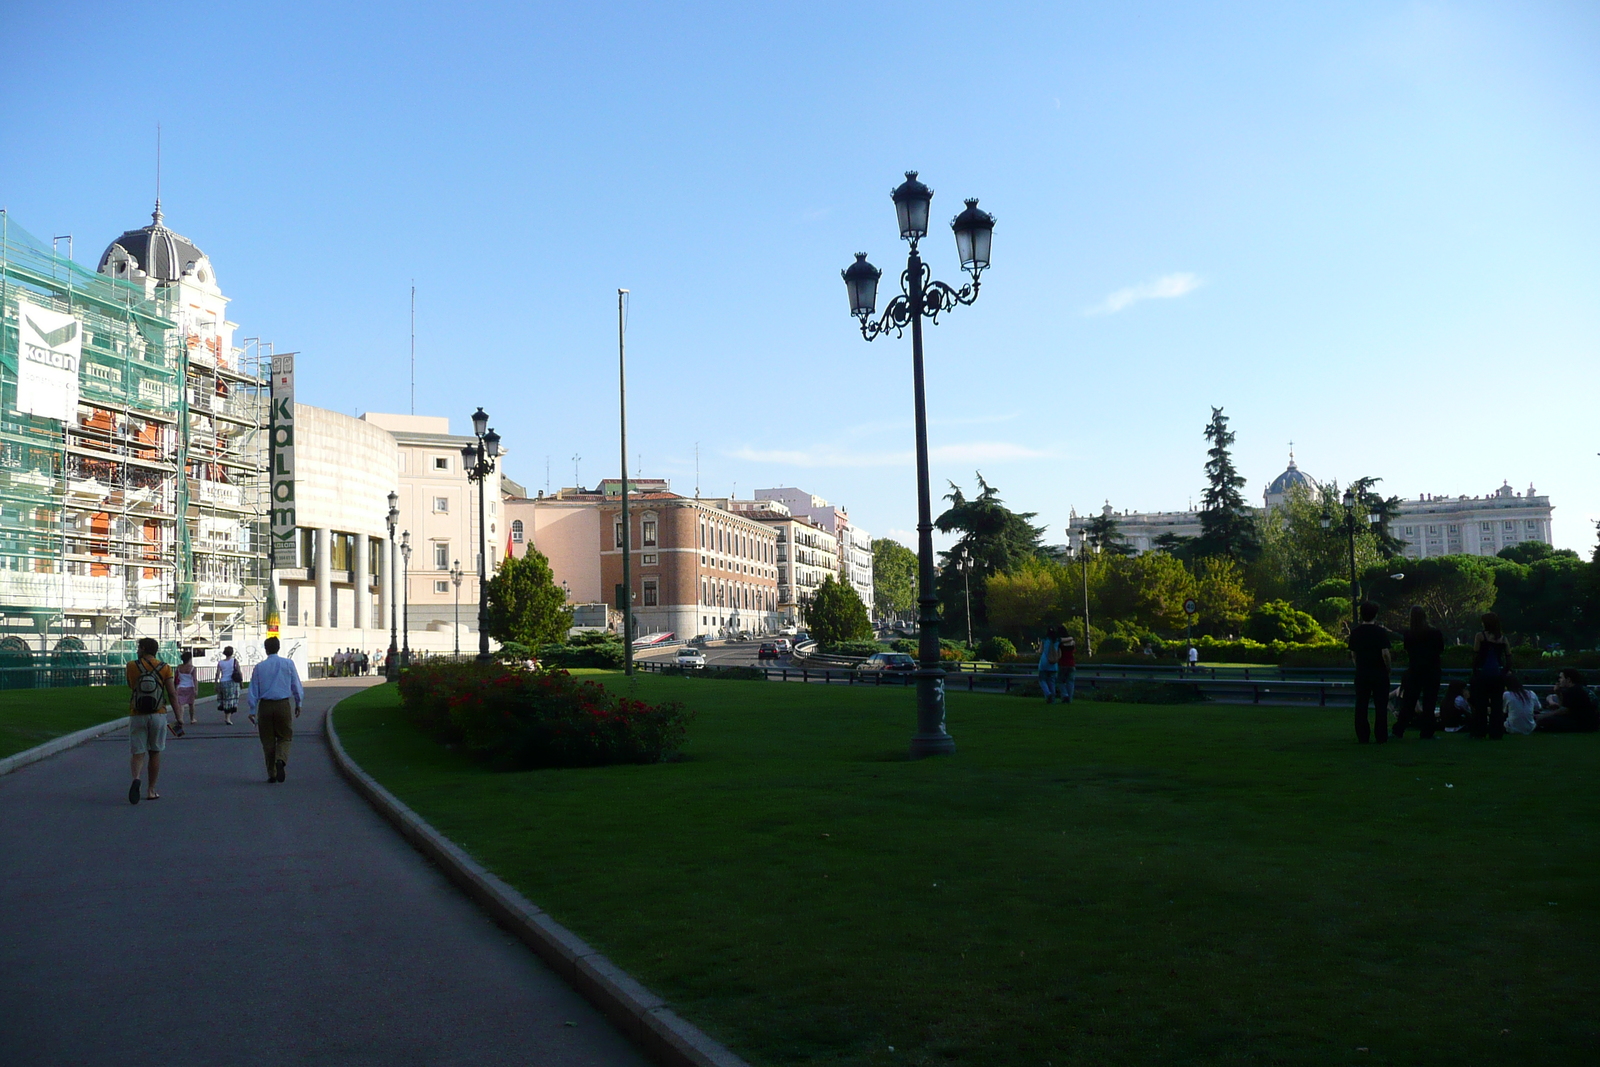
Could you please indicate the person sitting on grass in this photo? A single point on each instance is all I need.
(1573, 710)
(1521, 705)
(1457, 710)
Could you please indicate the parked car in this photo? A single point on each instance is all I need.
(689, 656)
(887, 661)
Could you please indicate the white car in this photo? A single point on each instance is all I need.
(691, 657)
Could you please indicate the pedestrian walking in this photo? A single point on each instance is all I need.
(274, 687)
(1419, 685)
(187, 684)
(150, 691)
(1067, 668)
(229, 677)
(1491, 661)
(1049, 664)
(1369, 646)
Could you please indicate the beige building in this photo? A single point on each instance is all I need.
(1429, 525)
(439, 507)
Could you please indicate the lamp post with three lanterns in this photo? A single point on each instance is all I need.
(920, 295)
(478, 459)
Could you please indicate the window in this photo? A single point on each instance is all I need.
(516, 531)
(442, 585)
(649, 533)
(441, 504)
(441, 555)
(441, 463)
(650, 596)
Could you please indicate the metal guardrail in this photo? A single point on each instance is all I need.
(1222, 690)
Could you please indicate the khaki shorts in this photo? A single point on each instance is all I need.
(148, 733)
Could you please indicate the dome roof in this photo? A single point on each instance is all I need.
(154, 249)
(1291, 478)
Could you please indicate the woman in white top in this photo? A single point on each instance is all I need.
(1520, 706)
(229, 676)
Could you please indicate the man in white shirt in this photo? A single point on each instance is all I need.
(274, 686)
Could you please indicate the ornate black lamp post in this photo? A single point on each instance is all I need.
(393, 665)
(479, 459)
(921, 295)
(456, 574)
(405, 598)
(1347, 518)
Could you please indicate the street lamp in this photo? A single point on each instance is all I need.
(394, 609)
(456, 574)
(920, 296)
(966, 583)
(1083, 560)
(1345, 518)
(405, 598)
(478, 459)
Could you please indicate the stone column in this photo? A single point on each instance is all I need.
(324, 552)
(363, 607)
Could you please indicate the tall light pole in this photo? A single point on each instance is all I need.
(393, 666)
(921, 296)
(966, 584)
(1346, 518)
(405, 598)
(478, 459)
(627, 529)
(456, 574)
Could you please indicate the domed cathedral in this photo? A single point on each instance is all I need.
(1291, 479)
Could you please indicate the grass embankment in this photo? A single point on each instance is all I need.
(1102, 884)
(30, 717)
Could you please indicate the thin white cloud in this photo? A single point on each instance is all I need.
(832, 456)
(1166, 287)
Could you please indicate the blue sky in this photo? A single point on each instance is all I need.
(1369, 228)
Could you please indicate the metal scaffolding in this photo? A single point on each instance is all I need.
(144, 516)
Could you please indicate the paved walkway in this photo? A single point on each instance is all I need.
(234, 922)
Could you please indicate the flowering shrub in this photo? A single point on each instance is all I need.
(514, 719)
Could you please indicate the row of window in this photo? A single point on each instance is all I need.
(1486, 527)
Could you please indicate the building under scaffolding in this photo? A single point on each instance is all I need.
(140, 510)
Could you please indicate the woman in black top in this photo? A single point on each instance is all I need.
(1420, 684)
(1491, 660)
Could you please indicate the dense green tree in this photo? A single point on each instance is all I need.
(1227, 525)
(1455, 591)
(894, 578)
(994, 537)
(1102, 535)
(837, 614)
(525, 605)
(1278, 620)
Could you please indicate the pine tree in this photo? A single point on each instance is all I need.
(1227, 528)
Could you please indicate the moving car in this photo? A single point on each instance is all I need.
(887, 661)
(689, 656)
(767, 651)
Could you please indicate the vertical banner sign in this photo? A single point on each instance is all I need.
(49, 353)
(282, 480)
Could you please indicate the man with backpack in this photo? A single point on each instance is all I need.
(150, 684)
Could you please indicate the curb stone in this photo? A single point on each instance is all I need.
(642, 1015)
(18, 760)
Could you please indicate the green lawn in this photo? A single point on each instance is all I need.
(1105, 884)
(31, 717)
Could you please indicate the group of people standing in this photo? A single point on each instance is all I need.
(155, 688)
(1484, 706)
(1058, 665)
